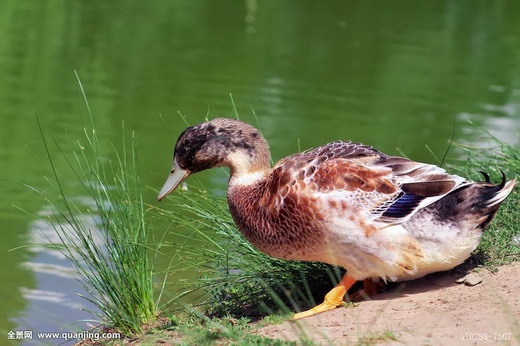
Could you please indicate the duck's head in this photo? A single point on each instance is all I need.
(216, 143)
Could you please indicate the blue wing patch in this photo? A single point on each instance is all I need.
(405, 205)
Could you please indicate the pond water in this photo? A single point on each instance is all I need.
(313, 72)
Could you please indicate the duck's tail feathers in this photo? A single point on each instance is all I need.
(491, 196)
(501, 191)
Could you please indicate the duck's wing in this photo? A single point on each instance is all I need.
(357, 177)
(417, 186)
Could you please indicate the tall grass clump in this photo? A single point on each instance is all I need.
(239, 280)
(111, 259)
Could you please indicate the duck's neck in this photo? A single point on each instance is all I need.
(249, 166)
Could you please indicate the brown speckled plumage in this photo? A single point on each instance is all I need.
(290, 233)
(344, 203)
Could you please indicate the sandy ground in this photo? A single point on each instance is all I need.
(430, 311)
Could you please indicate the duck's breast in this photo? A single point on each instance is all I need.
(289, 232)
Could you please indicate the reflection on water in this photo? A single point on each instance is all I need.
(501, 119)
(50, 296)
(52, 269)
(393, 77)
(58, 289)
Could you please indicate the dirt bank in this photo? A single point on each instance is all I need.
(430, 311)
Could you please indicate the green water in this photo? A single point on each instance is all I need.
(393, 75)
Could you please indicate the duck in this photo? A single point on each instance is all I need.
(347, 204)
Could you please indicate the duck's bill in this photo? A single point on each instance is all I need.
(177, 176)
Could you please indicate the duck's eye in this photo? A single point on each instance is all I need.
(187, 141)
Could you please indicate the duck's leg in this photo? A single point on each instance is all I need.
(369, 290)
(333, 299)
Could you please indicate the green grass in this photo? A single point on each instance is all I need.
(377, 338)
(193, 328)
(116, 271)
(111, 259)
(196, 329)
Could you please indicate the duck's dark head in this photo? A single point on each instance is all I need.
(216, 143)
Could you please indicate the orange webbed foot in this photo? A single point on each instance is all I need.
(332, 300)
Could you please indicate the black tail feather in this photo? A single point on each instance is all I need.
(487, 179)
(486, 176)
(503, 182)
(487, 194)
